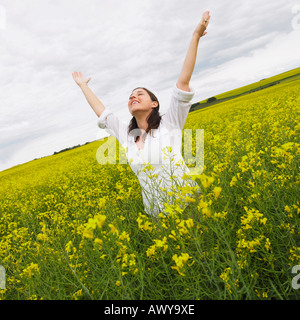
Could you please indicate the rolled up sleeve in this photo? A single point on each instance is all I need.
(113, 125)
(180, 105)
(102, 120)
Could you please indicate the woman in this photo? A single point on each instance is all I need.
(153, 142)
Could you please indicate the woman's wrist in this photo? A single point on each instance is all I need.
(83, 85)
(196, 36)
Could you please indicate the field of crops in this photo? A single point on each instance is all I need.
(71, 228)
(290, 75)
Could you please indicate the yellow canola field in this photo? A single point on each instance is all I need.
(71, 228)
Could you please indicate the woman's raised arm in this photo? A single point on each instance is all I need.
(91, 98)
(190, 60)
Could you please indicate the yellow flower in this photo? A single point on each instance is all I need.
(217, 191)
(173, 235)
(118, 283)
(202, 204)
(99, 220)
(263, 220)
(148, 167)
(265, 294)
(151, 251)
(30, 270)
(221, 215)
(99, 243)
(206, 180)
(185, 176)
(267, 244)
(113, 229)
(189, 223)
(161, 243)
(179, 270)
(287, 145)
(88, 233)
(180, 261)
(68, 247)
(42, 237)
(91, 224)
(77, 294)
(189, 199)
(233, 181)
(225, 276)
(143, 223)
(206, 212)
(124, 236)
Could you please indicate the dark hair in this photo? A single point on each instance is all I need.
(153, 119)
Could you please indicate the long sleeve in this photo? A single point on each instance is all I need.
(113, 125)
(180, 105)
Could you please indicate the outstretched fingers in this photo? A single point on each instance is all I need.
(205, 18)
(79, 78)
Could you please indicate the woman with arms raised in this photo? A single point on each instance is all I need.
(149, 134)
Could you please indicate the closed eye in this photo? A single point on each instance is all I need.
(132, 97)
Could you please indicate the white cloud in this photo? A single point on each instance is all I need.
(279, 55)
(122, 45)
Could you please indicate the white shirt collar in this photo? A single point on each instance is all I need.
(154, 134)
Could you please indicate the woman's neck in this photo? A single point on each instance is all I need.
(142, 124)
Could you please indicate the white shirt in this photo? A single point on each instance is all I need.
(154, 159)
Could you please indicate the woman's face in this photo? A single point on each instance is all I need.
(140, 102)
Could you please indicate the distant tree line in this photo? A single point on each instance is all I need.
(70, 148)
(211, 99)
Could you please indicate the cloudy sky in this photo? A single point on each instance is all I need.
(121, 45)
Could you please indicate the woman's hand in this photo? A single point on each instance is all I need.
(190, 60)
(80, 79)
(200, 30)
(91, 98)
